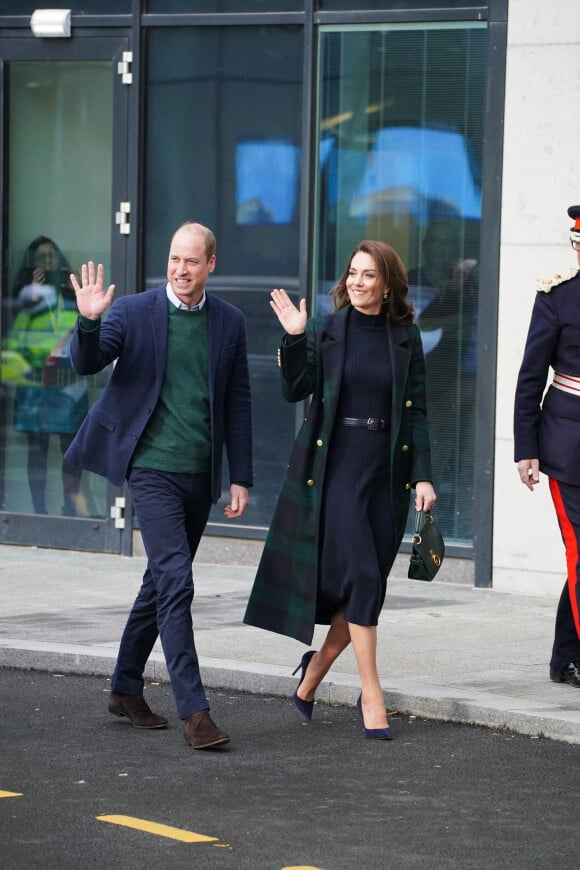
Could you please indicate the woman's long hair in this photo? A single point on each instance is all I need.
(391, 269)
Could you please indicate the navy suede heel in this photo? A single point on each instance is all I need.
(373, 733)
(305, 707)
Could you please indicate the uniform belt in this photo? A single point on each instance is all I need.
(375, 424)
(567, 383)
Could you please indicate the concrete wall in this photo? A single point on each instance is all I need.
(540, 180)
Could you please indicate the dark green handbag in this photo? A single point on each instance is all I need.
(428, 548)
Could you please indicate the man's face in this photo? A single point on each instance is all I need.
(188, 266)
(576, 246)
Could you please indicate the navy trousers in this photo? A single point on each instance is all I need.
(172, 510)
(566, 498)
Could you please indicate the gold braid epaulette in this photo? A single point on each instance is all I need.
(545, 285)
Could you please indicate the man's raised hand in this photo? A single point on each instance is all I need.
(92, 301)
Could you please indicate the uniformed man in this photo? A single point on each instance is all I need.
(547, 435)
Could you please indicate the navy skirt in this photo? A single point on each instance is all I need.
(357, 547)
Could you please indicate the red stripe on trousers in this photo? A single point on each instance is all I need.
(571, 545)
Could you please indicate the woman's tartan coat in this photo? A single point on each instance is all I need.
(283, 597)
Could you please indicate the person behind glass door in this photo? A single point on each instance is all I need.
(178, 394)
(444, 288)
(343, 506)
(547, 435)
(46, 314)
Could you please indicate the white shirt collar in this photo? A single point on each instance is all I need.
(181, 305)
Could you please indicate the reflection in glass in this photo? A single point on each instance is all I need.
(225, 104)
(50, 233)
(400, 143)
(49, 398)
(267, 197)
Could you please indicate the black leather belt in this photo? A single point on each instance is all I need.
(375, 424)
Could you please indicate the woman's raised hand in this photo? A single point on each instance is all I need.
(92, 301)
(292, 319)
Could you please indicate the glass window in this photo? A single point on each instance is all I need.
(400, 143)
(362, 5)
(169, 6)
(77, 7)
(223, 147)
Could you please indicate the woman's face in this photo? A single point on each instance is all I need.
(45, 257)
(364, 285)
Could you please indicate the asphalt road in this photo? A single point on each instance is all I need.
(283, 794)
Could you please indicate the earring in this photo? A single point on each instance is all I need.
(386, 296)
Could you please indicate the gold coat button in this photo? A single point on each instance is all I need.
(404, 448)
(408, 403)
(310, 482)
(407, 486)
(319, 442)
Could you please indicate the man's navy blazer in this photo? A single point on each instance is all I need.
(134, 336)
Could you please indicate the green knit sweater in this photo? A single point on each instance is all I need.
(178, 435)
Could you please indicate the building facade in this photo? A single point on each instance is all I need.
(539, 183)
(294, 129)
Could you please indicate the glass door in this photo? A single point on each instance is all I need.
(64, 119)
(400, 144)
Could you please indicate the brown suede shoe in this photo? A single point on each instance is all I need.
(201, 732)
(136, 709)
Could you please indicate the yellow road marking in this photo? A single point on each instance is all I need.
(10, 794)
(155, 828)
(301, 867)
